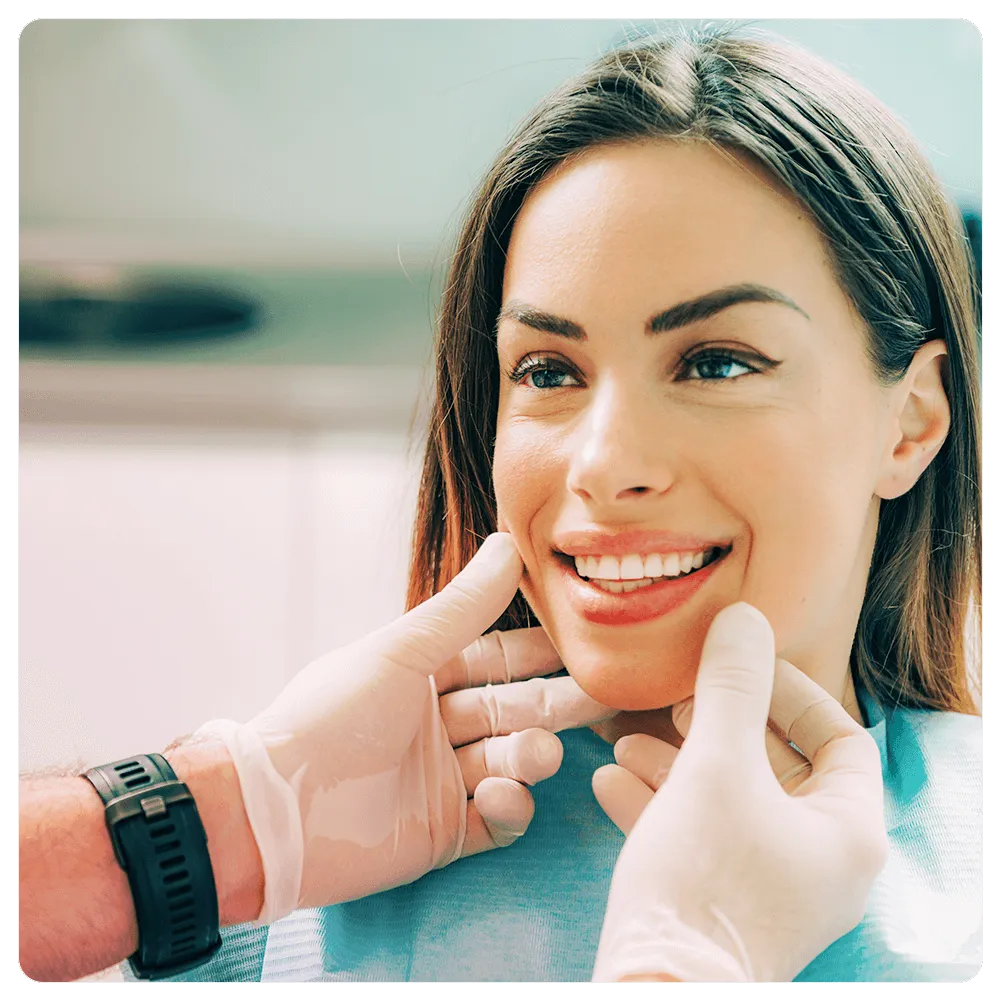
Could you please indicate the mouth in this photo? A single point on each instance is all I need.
(632, 588)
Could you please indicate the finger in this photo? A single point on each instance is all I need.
(621, 795)
(552, 703)
(808, 715)
(529, 756)
(733, 688)
(648, 758)
(433, 632)
(681, 715)
(497, 815)
(499, 658)
(790, 768)
(837, 747)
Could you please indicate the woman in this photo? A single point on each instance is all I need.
(707, 338)
(711, 299)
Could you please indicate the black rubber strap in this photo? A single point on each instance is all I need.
(159, 840)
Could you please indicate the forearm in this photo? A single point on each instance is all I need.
(76, 910)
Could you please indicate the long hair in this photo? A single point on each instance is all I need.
(900, 254)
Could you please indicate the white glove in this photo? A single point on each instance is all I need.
(359, 777)
(725, 875)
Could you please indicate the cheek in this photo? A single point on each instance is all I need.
(806, 498)
(526, 475)
(529, 477)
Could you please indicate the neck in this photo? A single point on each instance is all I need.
(658, 722)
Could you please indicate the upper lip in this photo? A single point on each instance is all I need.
(591, 542)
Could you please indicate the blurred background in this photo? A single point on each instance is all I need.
(233, 235)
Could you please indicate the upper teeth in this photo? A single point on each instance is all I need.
(637, 567)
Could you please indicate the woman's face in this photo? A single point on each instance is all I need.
(684, 386)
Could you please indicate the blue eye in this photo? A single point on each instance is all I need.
(543, 373)
(717, 367)
(547, 378)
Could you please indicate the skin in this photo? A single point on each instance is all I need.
(789, 461)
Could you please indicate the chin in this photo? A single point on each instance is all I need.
(632, 669)
(632, 679)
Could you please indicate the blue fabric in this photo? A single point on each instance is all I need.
(533, 911)
(924, 916)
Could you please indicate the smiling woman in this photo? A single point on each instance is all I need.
(709, 336)
(730, 303)
(742, 422)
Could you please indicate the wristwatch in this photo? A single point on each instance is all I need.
(159, 841)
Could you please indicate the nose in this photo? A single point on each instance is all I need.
(619, 452)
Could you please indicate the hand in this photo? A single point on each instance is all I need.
(649, 759)
(725, 875)
(483, 697)
(359, 777)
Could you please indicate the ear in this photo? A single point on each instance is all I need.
(920, 420)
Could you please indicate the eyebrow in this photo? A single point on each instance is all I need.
(673, 318)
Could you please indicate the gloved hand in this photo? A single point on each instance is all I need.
(726, 875)
(359, 777)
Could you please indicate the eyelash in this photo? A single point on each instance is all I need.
(537, 363)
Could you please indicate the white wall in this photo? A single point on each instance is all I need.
(370, 135)
(172, 576)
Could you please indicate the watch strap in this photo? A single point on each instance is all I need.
(159, 841)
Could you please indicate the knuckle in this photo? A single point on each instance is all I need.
(490, 710)
(486, 758)
(502, 655)
(480, 657)
(540, 698)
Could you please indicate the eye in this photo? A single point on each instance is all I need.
(717, 365)
(540, 372)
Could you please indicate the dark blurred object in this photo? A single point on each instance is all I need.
(974, 234)
(133, 315)
(974, 231)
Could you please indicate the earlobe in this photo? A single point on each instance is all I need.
(922, 420)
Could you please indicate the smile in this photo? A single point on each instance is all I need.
(631, 572)
(634, 588)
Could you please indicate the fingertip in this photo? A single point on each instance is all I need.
(499, 545)
(548, 751)
(507, 807)
(746, 608)
(623, 747)
(538, 755)
(743, 619)
(620, 794)
(603, 775)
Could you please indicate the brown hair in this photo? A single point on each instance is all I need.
(899, 249)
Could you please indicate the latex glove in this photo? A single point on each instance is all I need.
(359, 777)
(724, 874)
(649, 759)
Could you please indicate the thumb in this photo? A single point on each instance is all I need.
(732, 693)
(440, 628)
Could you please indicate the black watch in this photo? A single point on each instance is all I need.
(159, 840)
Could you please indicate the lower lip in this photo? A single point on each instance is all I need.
(601, 607)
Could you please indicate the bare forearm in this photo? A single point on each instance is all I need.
(76, 910)
(76, 914)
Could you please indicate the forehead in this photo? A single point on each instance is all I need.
(664, 218)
